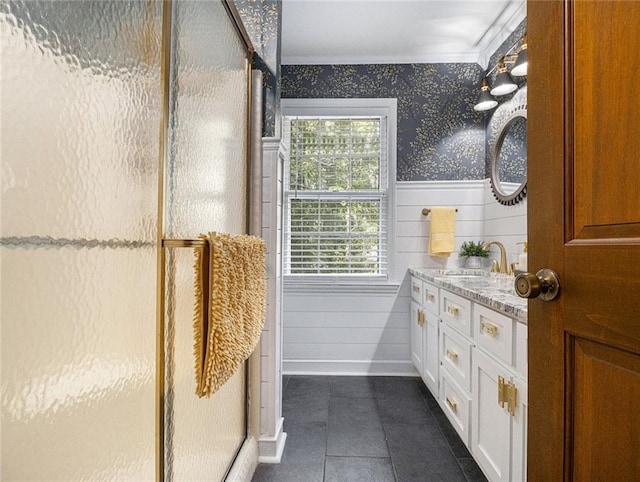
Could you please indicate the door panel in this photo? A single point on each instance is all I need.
(206, 190)
(606, 390)
(80, 96)
(416, 337)
(585, 224)
(492, 425)
(605, 128)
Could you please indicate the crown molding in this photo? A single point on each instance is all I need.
(513, 19)
(432, 58)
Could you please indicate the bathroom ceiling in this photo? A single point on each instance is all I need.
(396, 31)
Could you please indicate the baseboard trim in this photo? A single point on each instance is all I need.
(349, 368)
(270, 448)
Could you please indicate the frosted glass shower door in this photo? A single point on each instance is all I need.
(206, 190)
(80, 115)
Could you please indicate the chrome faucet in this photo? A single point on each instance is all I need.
(503, 255)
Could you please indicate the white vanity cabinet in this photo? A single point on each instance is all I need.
(417, 322)
(424, 332)
(455, 361)
(417, 335)
(430, 358)
(498, 428)
(474, 360)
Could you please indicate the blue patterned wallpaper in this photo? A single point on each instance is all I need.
(263, 21)
(440, 136)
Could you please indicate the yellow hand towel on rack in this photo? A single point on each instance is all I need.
(442, 238)
(230, 290)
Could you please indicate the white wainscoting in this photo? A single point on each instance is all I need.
(365, 330)
(412, 228)
(347, 331)
(507, 224)
(351, 330)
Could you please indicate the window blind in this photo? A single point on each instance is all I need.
(336, 196)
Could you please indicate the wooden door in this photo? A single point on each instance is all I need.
(584, 222)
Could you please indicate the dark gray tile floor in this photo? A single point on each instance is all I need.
(369, 429)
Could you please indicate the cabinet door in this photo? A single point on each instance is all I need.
(491, 425)
(520, 422)
(416, 335)
(431, 359)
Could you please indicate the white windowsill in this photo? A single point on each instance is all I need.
(339, 286)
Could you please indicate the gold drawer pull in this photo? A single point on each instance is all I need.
(430, 297)
(452, 405)
(453, 310)
(489, 328)
(421, 318)
(416, 288)
(453, 356)
(507, 393)
(502, 394)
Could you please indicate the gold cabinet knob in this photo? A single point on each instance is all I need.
(453, 310)
(452, 355)
(430, 297)
(489, 328)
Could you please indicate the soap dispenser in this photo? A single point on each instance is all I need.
(522, 258)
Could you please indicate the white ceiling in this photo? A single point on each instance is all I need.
(396, 31)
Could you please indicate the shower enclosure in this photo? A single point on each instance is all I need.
(124, 125)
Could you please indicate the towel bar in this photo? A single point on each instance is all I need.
(184, 243)
(426, 211)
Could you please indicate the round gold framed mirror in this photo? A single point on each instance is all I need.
(508, 168)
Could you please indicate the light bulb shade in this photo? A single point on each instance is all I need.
(504, 84)
(485, 101)
(520, 67)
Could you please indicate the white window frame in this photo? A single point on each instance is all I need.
(384, 107)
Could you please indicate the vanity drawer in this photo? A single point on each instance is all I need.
(494, 332)
(455, 352)
(456, 405)
(416, 290)
(456, 311)
(431, 298)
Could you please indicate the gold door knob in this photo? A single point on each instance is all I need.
(545, 284)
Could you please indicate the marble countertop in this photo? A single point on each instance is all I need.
(491, 290)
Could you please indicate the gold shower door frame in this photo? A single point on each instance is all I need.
(162, 243)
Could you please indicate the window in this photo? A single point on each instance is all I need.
(337, 194)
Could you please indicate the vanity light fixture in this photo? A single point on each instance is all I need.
(485, 99)
(520, 67)
(504, 83)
